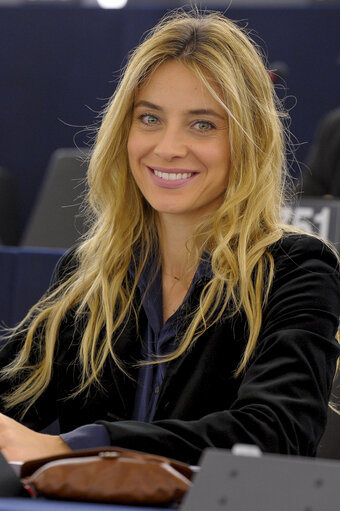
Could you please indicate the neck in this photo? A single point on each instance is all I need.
(174, 238)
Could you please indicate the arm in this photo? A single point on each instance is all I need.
(281, 402)
(21, 441)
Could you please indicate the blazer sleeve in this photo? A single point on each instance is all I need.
(282, 401)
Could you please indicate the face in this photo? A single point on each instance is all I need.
(178, 144)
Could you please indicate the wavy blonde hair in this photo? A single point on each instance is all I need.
(237, 235)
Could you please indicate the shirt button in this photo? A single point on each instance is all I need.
(157, 389)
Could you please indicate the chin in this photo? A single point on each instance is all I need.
(167, 208)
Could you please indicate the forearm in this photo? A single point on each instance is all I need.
(19, 443)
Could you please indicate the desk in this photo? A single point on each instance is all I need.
(53, 505)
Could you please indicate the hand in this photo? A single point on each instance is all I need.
(18, 443)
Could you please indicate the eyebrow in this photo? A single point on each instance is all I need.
(199, 111)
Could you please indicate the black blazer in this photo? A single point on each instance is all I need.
(279, 403)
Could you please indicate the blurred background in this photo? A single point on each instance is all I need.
(59, 65)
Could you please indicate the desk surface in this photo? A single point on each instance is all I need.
(53, 505)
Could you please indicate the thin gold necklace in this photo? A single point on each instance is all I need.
(172, 276)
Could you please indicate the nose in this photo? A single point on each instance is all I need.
(171, 144)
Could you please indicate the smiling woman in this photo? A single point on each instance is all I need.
(178, 145)
(189, 316)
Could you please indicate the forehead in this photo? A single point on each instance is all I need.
(175, 84)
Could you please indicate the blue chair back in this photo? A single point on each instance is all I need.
(25, 275)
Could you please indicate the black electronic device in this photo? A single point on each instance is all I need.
(10, 484)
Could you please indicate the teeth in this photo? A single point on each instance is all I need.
(172, 176)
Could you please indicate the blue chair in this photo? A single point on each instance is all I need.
(25, 275)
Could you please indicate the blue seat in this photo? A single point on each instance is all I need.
(25, 274)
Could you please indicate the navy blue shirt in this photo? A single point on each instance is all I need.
(157, 339)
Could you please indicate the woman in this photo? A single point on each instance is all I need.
(190, 316)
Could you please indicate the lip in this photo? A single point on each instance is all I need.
(167, 183)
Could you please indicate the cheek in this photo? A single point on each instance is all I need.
(137, 145)
(217, 158)
(134, 148)
(131, 146)
(224, 157)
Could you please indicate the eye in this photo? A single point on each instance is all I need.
(148, 119)
(204, 125)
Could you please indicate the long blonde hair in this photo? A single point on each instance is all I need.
(237, 235)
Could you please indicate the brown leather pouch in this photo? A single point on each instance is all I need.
(108, 474)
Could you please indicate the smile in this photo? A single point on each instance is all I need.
(172, 176)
